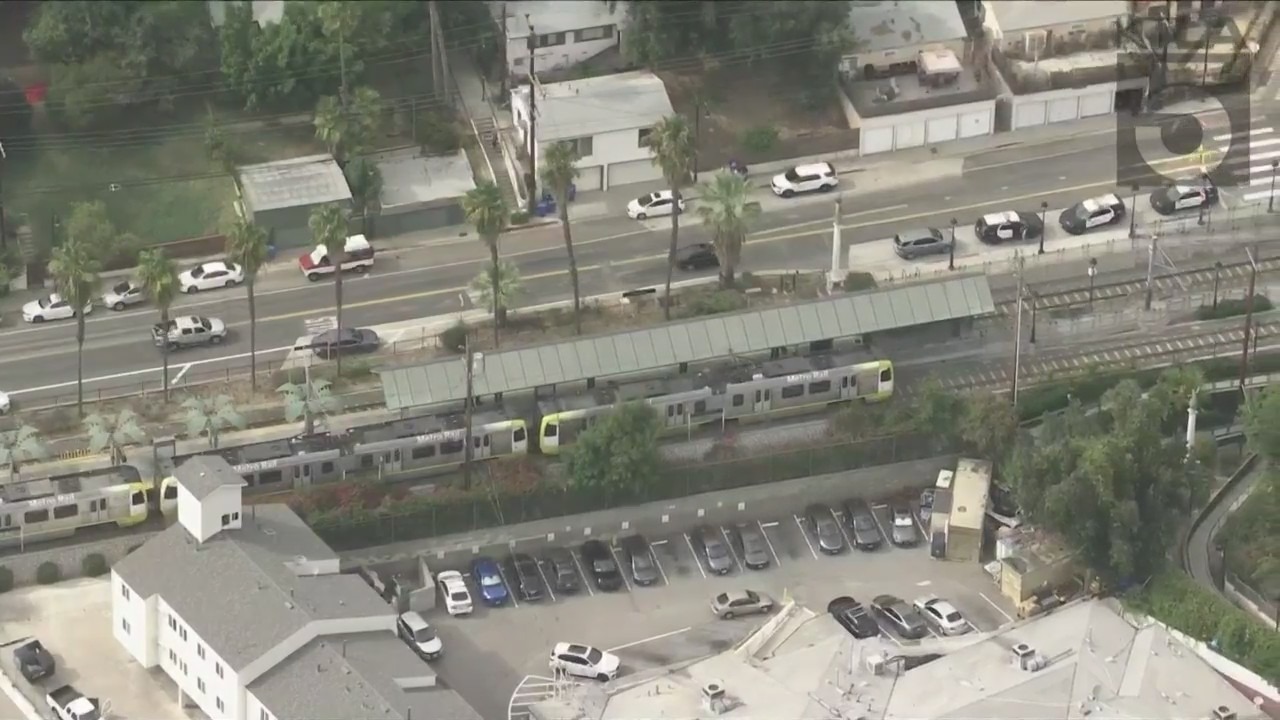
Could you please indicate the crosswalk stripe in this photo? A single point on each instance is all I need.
(1258, 195)
(1249, 132)
(1263, 143)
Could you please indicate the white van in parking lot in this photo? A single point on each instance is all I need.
(317, 264)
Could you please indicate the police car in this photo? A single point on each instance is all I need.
(1094, 212)
(1008, 226)
(1173, 198)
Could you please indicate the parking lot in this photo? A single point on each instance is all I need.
(669, 620)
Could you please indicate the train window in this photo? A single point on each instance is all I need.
(267, 477)
(35, 516)
(699, 407)
(886, 375)
(63, 512)
(671, 411)
(486, 441)
(819, 387)
(518, 435)
(792, 391)
(451, 447)
(170, 492)
(138, 498)
(475, 442)
(424, 452)
(8, 521)
(757, 396)
(844, 381)
(396, 455)
(550, 430)
(738, 400)
(326, 468)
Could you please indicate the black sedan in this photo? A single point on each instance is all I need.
(823, 521)
(862, 526)
(34, 660)
(1001, 227)
(756, 553)
(348, 341)
(853, 617)
(640, 559)
(561, 571)
(523, 571)
(600, 563)
(1174, 198)
(699, 256)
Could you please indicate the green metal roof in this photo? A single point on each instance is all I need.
(691, 341)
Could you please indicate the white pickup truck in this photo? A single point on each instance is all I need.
(68, 703)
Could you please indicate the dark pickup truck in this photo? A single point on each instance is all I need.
(34, 660)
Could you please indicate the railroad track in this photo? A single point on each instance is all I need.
(1109, 291)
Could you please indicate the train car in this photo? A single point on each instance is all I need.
(292, 464)
(169, 498)
(424, 446)
(56, 507)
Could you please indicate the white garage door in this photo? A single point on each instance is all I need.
(975, 123)
(1029, 114)
(876, 140)
(942, 129)
(634, 171)
(909, 135)
(1096, 104)
(589, 178)
(1063, 110)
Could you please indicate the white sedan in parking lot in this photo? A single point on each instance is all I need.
(51, 307)
(209, 276)
(942, 615)
(457, 598)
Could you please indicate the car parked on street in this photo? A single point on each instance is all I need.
(457, 598)
(719, 558)
(562, 571)
(904, 620)
(1010, 226)
(488, 577)
(189, 331)
(941, 615)
(904, 527)
(1092, 213)
(853, 617)
(655, 204)
(418, 634)
(755, 546)
(51, 307)
(814, 177)
(1171, 199)
(358, 258)
(736, 603)
(912, 244)
(525, 577)
(34, 660)
(584, 661)
(210, 276)
(862, 526)
(697, 256)
(823, 521)
(602, 565)
(644, 570)
(347, 341)
(123, 294)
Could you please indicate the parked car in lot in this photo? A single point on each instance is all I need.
(51, 307)
(561, 571)
(189, 331)
(655, 204)
(911, 244)
(900, 616)
(1094, 212)
(34, 661)
(525, 577)
(904, 527)
(600, 563)
(640, 559)
(419, 636)
(123, 294)
(825, 526)
(942, 615)
(210, 276)
(853, 617)
(1184, 196)
(457, 598)
(755, 546)
(347, 341)
(4, 403)
(814, 177)
(735, 603)
(697, 256)
(719, 558)
(487, 576)
(358, 258)
(584, 661)
(862, 526)
(1010, 226)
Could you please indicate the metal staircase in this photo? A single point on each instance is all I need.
(487, 134)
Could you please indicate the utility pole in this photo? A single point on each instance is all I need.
(1017, 336)
(1151, 268)
(4, 229)
(437, 78)
(833, 277)
(470, 404)
(1248, 314)
(531, 178)
(445, 76)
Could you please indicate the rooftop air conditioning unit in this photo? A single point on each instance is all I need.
(713, 697)
(875, 663)
(1222, 712)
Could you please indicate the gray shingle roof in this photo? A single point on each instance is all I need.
(297, 182)
(201, 475)
(585, 108)
(444, 381)
(1018, 15)
(890, 24)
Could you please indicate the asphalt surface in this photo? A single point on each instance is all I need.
(38, 363)
(1200, 546)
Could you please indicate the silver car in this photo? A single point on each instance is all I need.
(904, 528)
(728, 605)
(719, 559)
(755, 547)
(123, 294)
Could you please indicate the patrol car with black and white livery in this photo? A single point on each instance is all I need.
(1092, 213)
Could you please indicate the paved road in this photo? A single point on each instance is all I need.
(38, 363)
(1201, 543)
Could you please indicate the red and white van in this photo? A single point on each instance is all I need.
(316, 264)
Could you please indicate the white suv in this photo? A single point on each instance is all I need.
(457, 598)
(584, 661)
(805, 178)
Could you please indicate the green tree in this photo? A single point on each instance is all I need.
(618, 456)
(934, 412)
(84, 94)
(157, 274)
(487, 212)
(210, 416)
(988, 424)
(90, 225)
(673, 149)
(509, 286)
(114, 433)
(247, 247)
(19, 445)
(348, 131)
(1262, 423)
(304, 401)
(364, 179)
(329, 228)
(220, 148)
(74, 268)
(559, 170)
(727, 210)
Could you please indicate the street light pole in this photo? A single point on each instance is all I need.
(1271, 199)
(1017, 336)
(1151, 268)
(1217, 271)
(469, 359)
(1044, 229)
(1248, 315)
(1034, 298)
(1093, 273)
(951, 261)
(1133, 211)
(697, 132)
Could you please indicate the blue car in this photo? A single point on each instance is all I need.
(484, 570)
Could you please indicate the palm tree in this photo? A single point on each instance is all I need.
(211, 415)
(329, 228)
(74, 268)
(157, 275)
(559, 170)
(509, 285)
(114, 432)
(247, 247)
(673, 148)
(364, 179)
(308, 399)
(19, 445)
(726, 210)
(487, 212)
(348, 129)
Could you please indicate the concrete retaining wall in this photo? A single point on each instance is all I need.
(69, 558)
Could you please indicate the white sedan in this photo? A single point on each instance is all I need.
(457, 598)
(654, 204)
(4, 403)
(942, 615)
(584, 661)
(51, 307)
(209, 276)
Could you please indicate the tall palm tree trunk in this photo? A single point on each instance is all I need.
(671, 260)
(573, 269)
(253, 338)
(164, 351)
(80, 363)
(337, 347)
(494, 289)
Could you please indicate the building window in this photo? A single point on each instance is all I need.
(643, 137)
(200, 651)
(217, 669)
(604, 32)
(173, 624)
(550, 40)
(182, 633)
(235, 516)
(200, 684)
(218, 703)
(583, 145)
(173, 658)
(183, 665)
(124, 624)
(263, 714)
(124, 592)
(518, 62)
(226, 519)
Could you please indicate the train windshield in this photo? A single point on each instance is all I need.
(551, 430)
(138, 498)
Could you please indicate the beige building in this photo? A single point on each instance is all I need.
(889, 35)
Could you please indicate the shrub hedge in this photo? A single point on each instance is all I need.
(48, 573)
(1232, 308)
(6, 579)
(93, 565)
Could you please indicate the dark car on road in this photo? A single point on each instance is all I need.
(347, 341)
(900, 616)
(719, 559)
(1011, 226)
(34, 660)
(644, 570)
(755, 546)
(825, 526)
(862, 526)
(561, 571)
(524, 574)
(853, 617)
(698, 256)
(600, 563)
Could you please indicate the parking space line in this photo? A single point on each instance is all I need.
(840, 523)
(624, 646)
(997, 607)
(764, 531)
(654, 554)
(875, 517)
(694, 553)
(586, 581)
(732, 551)
(804, 534)
(507, 584)
(545, 583)
(617, 561)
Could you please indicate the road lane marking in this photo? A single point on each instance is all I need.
(545, 582)
(997, 607)
(178, 378)
(875, 517)
(694, 553)
(764, 531)
(663, 636)
(653, 553)
(586, 579)
(804, 534)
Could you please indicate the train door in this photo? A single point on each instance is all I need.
(763, 400)
(96, 511)
(676, 416)
(302, 476)
(481, 446)
(848, 387)
(392, 461)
